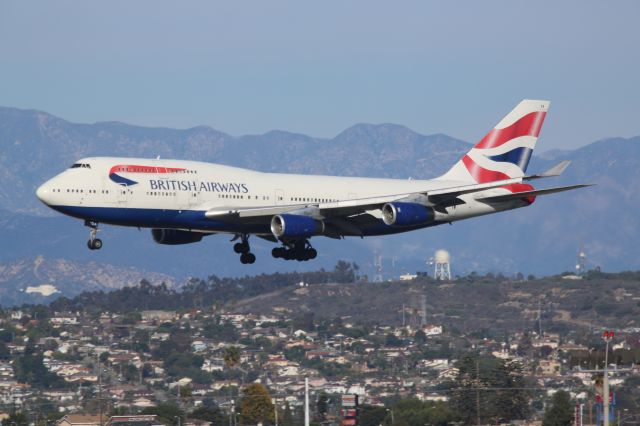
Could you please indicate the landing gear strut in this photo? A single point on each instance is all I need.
(93, 243)
(299, 250)
(244, 250)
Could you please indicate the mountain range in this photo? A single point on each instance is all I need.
(544, 238)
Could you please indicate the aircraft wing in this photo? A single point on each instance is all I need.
(355, 206)
(534, 193)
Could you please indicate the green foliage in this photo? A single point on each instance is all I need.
(168, 414)
(5, 353)
(209, 414)
(16, 419)
(146, 296)
(560, 413)
(496, 384)
(412, 412)
(287, 416)
(371, 415)
(181, 364)
(223, 331)
(304, 321)
(232, 356)
(256, 406)
(29, 368)
(322, 406)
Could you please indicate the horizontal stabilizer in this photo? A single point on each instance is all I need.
(556, 170)
(534, 193)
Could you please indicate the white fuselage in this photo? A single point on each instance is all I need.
(156, 193)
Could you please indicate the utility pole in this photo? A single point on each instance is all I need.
(275, 408)
(306, 401)
(478, 392)
(100, 389)
(607, 336)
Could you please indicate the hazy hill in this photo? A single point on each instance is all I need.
(41, 279)
(541, 239)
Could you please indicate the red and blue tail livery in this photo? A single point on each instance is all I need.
(183, 201)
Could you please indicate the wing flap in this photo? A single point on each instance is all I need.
(534, 193)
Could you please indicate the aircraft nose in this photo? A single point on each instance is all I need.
(44, 193)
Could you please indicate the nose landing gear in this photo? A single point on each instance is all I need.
(244, 250)
(93, 243)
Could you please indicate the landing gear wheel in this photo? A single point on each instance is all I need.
(244, 250)
(94, 244)
(278, 252)
(299, 250)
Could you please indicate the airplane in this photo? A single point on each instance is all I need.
(184, 201)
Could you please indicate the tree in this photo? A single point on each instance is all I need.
(322, 405)
(505, 398)
(561, 411)
(232, 356)
(256, 406)
(209, 414)
(168, 414)
(370, 415)
(18, 418)
(287, 416)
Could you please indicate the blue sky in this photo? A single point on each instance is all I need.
(247, 67)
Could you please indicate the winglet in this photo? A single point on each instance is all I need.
(556, 170)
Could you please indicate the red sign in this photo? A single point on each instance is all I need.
(350, 412)
(349, 422)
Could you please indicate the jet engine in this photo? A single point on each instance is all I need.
(295, 226)
(175, 237)
(406, 214)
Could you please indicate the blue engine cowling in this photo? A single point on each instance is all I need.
(174, 237)
(295, 226)
(406, 214)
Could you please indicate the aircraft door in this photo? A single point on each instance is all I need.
(109, 192)
(123, 195)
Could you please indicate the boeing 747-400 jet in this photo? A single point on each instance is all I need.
(184, 201)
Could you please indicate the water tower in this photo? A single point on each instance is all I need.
(442, 269)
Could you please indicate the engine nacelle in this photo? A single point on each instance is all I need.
(175, 237)
(295, 226)
(406, 214)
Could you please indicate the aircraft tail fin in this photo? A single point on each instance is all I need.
(505, 151)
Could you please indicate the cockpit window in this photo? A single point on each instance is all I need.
(80, 165)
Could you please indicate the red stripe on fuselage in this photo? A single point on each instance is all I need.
(529, 125)
(132, 168)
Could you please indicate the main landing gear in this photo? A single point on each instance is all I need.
(93, 243)
(300, 250)
(244, 250)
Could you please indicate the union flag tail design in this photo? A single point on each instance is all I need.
(505, 151)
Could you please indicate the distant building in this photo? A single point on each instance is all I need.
(157, 315)
(134, 420)
(79, 419)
